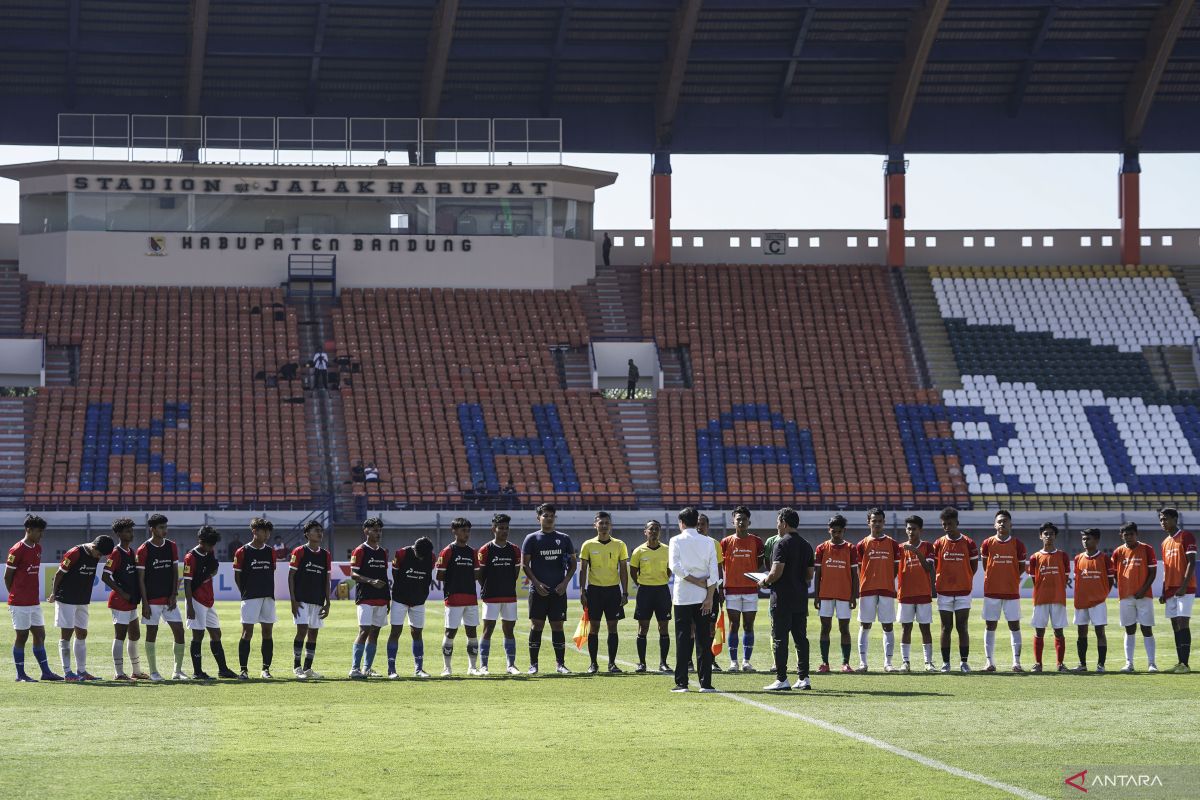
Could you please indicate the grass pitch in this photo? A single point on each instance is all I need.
(565, 737)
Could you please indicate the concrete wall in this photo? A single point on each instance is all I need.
(8, 241)
(926, 247)
(125, 258)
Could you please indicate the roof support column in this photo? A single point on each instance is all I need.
(660, 208)
(1130, 207)
(894, 209)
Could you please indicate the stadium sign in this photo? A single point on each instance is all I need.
(330, 244)
(310, 186)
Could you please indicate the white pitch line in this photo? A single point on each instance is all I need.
(924, 761)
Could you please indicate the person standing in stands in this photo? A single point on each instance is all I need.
(320, 362)
(606, 248)
(631, 385)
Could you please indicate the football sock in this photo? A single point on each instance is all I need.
(733, 648)
(889, 645)
(824, 651)
(612, 648)
(152, 656)
(64, 654)
(989, 645)
(298, 650)
(418, 651)
(664, 648)
(1151, 648)
(1060, 647)
(905, 651)
(310, 652)
(135, 657)
(559, 640)
(1101, 654)
(473, 652)
(393, 647)
(748, 643)
(946, 654)
(594, 646)
(447, 651)
(268, 652)
(928, 648)
(370, 654)
(863, 638)
(641, 648)
(510, 651)
(485, 651)
(195, 653)
(218, 651)
(244, 654)
(535, 644)
(845, 652)
(358, 654)
(1185, 649)
(964, 650)
(1130, 640)
(39, 655)
(118, 653)
(81, 655)
(178, 653)
(1015, 638)
(19, 660)
(1039, 643)
(1081, 649)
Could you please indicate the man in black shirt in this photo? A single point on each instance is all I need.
(254, 574)
(308, 586)
(791, 571)
(498, 565)
(412, 574)
(72, 593)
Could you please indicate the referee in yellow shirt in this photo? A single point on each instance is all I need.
(603, 586)
(650, 571)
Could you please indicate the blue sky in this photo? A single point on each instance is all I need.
(802, 192)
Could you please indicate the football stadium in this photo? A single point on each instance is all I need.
(309, 325)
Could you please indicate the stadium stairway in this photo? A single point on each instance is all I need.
(575, 368)
(612, 302)
(636, 425)
(16, 414)
(940, 363)
(911, 333)
(327, 462)
(12, 298)
(62, 365)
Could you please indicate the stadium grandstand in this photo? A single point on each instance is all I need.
(181, 262)
(327, 261)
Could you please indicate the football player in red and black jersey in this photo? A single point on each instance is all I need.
(498, 565)
(72, 593)
(254, 574)
(199, 566)
(120, 576)
(21, 573)
(308, 586)
(456, 573)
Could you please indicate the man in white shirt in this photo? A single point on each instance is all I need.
(693, 562)
(320, 362)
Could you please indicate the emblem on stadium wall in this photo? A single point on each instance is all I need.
(158, 246)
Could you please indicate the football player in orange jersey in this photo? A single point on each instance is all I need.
(1093, 581)
(1136, 567)
(835, 589)
(1179, 583)
(1003, 557)
(1051, 578)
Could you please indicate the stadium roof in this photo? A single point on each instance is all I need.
(687, 76)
